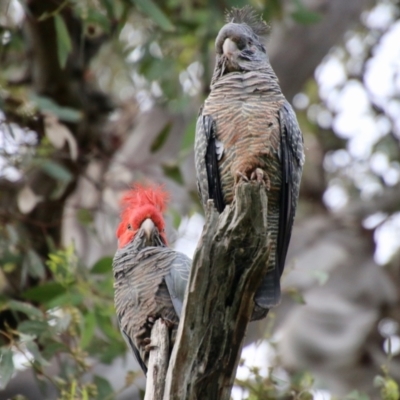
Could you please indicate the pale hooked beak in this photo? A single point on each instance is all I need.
(148, 227)
(229, 47)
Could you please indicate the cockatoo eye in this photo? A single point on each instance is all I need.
(129, 227)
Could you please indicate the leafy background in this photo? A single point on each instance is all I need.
(97, 94)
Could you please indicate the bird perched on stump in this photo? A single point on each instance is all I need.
(149, 278)
(248, 131)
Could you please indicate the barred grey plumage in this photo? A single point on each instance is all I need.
(150, 280)
(247, 130)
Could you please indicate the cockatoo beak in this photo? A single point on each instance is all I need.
(229, 47)
(148, 227)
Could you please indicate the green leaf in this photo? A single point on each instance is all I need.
(112, 350)
(109, 6)
(105, 324)
(188, 137)
(176, 218)
(67, 298)
(52, 348)
(25, 308)
(379, 381)
(356, 395)
(155, 13)
(35, 264)
(6, 366)
(304, 15)
(97, 18)
(102, 266)
(88, 330)
(296, 295)
(85, 395)
(64, 45)
(173, 172)
(321, 276)
(104, 388)
(34, 350)
(161, 138)
(45, 292)
(12, 233)
(84, 216)
(67, 114)
(55, 170)
(33, 327)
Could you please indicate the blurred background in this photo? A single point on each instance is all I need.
(97, 94)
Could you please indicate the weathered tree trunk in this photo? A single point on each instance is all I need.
(229, 262)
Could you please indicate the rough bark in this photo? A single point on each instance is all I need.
(158, 361)
(230, 258)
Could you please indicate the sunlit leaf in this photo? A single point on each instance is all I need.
(155, 13)
(6, 366)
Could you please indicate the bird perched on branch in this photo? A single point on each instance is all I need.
(248, 131)
(149, 278)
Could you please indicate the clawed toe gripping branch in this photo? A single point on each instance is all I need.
(228, 266)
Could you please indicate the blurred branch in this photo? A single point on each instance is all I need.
(387, 202)
(296, 50)
(219, 299)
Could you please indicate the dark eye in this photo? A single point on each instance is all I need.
(129, 227)
(241, 43)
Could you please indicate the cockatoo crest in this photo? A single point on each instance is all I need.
(248, 16)
(138, 204)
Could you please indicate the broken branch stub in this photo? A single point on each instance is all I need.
(158, 361)
(228, 266)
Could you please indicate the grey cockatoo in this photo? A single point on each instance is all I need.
(247, 130)
(149, 278)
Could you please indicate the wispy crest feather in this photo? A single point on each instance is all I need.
(247, 15)
(141, 195)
